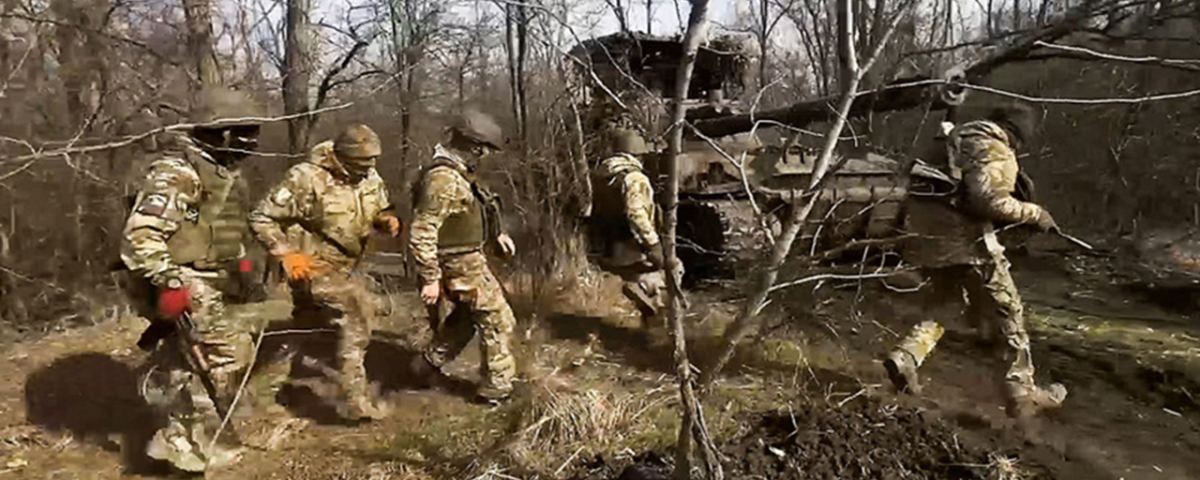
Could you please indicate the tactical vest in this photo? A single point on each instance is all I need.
(215, 235)
(468, 230)
(608, 207)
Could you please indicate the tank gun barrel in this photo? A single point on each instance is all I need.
(908, 93)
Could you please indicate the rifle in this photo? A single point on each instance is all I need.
(190, 342)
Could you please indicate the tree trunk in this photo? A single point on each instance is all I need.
(296, 79)
(522, 51)
(692, 430)
(200, 41)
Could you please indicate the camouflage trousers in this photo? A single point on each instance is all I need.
(995, 306)
(340, 300)
(476, 303)
(173, 386)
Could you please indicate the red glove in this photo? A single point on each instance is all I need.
(173, 302)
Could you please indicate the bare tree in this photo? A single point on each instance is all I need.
(692, 431)
(298, 57)
(200, 41)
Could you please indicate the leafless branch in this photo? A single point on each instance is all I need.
(70, 150)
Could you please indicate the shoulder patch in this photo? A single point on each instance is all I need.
(154, 205)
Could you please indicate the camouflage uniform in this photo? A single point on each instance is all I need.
(626, 217)
(450, 227)
(982, 152)
(187, 223)
(319, 211)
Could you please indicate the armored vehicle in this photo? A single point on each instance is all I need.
(735, 188)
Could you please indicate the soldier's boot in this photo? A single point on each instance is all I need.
(903, 362)
(902, 371)
(190, 453)
(1026, 401)
(362, 407)
(173, 445)
(493, 396)
(641, 299)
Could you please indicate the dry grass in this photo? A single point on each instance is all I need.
(1003, 468)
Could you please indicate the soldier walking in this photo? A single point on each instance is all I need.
(456, 217)
(187, 223)
(984, 152)
(317, 222)
(625, 220)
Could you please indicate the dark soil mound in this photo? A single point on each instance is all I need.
(862, 439)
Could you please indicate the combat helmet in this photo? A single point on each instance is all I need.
(222, 104)
(626, 140)
(479, 127)
(1018, 119)
(357, 142)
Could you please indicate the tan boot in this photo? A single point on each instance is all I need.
(902, 370)
(1028, 401)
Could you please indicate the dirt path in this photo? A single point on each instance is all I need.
(599, 393)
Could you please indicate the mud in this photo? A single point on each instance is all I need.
(861, 439)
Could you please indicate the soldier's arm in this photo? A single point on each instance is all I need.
(287, 204)
(442, 197)
(994, 163)
(639, 208)
(387, 209)
(168, 192)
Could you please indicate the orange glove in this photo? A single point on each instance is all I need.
(298, 266)
(389, 225)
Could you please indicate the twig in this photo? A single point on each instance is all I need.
(1083, 101)
(171, 128)
(568, 462)
(237, 396)
(833, 276)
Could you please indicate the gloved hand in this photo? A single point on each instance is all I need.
(298, 266)
(654, 255)
(1046, 222)
(389, 225)
(173, 302)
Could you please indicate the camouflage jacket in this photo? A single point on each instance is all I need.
(177, 221)
(447, 189)
(982, 151)
(962, 233)
(623, 174)
(316, 211)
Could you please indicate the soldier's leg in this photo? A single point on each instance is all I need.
(903, 362)
(472, 283)
(496, 323)
(453, 333)
(175, 385)
(1024, 397)
(352, 313)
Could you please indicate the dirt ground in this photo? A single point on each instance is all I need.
(805, 399)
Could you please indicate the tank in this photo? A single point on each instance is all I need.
(734, 185)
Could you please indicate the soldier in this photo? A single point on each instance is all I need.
(455, 218)
(984, 152)
(625, 220)
(187, 222)
(317, 222)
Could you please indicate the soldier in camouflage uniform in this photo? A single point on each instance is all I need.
(187, 222)
(317, 222)
(625, 219)
(982, 156)
(455, 219)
